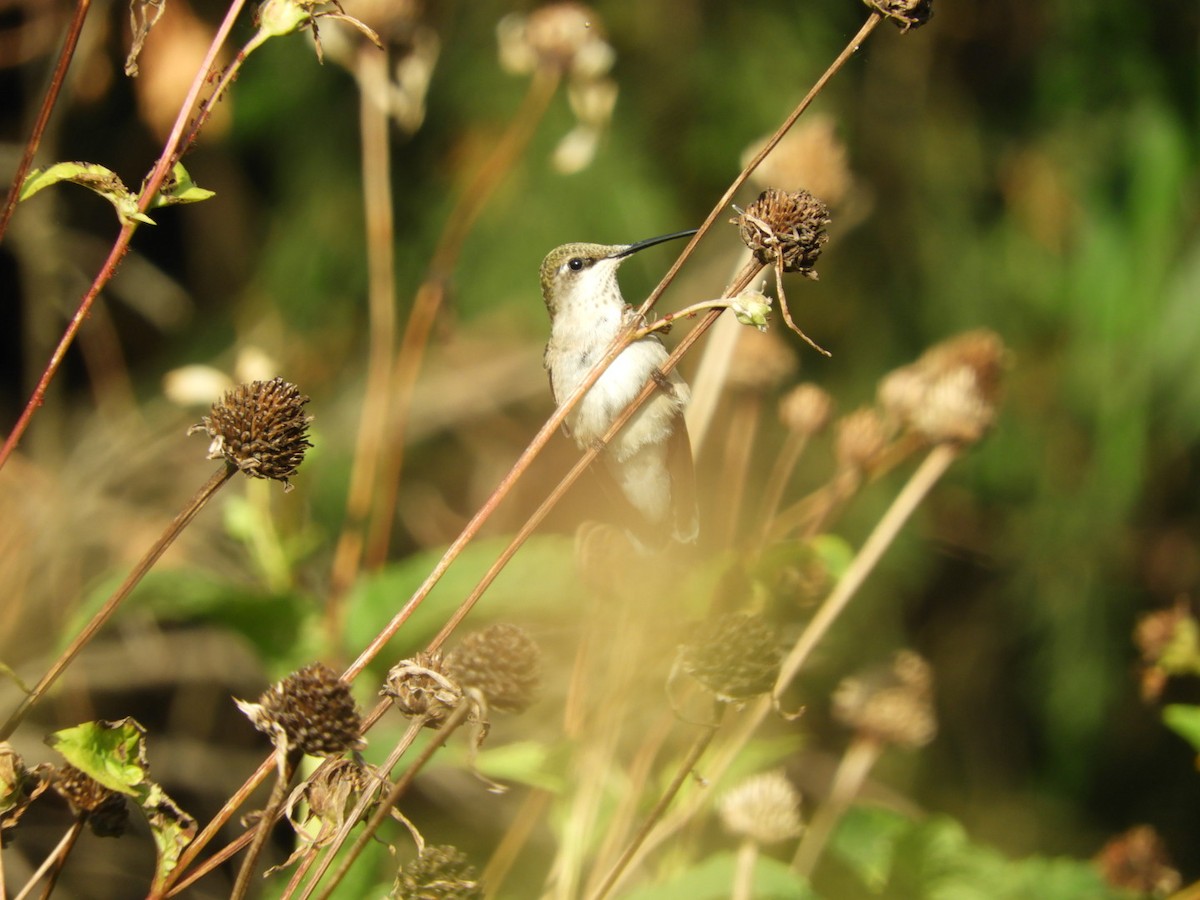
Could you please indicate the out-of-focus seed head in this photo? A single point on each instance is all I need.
(312, 710)
(810, 155)
(893, 706)
(502, 662)
(785, 225)
(764, 808)
(761, 361)
(105, 809)
(439, 873)
(951, 393)
(259, 428)
(861, 437)
(905, 14)
(734, 656)
(563, 37)
(1169, 641)
(421, 687)
(806, 409)
(1137, 861)
(19, 787)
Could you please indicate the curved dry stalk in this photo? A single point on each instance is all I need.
(81, 640)
(429, 296)
(74, 28)
(169, 156)
(54, 860)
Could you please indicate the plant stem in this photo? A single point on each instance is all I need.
(285, 770)
(743, 875)
(53, 860)
(105, 612)
(852, 771)
(906, 502)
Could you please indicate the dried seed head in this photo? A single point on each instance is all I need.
(1169, 641)
(502, 662)
(563, 37)
(811, 155)
(311, 710)
(764, 808)
(905, 14)
(107, 814)
(439, 873)
(950, 394)
(761, 361)
(788, 226)
(735, 656)
(806, 409)
(1137, 861)
(260, 428)
(893, 706)
(325, 799)
(861, 437)
(421, 687)
(19, 786)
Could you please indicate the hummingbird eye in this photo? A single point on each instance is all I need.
(575, 265)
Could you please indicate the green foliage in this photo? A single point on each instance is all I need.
(1184, 720)
(177, 188)
(713, 878)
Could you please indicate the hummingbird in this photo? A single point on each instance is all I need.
(650, 458)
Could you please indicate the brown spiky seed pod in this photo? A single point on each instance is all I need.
(785, 225)
(806, 409)
(312, 709)
(1137, 861)
(260, 428)
(105, 809)
(439, 873)
(764, 808)
(905, 14)
(421, 687)
(860, 438)
(502, 662)
(893, 706)
(735, 656)
(950, 394)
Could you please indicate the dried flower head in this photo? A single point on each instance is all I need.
(787, 227)
(259, 428)
(894, 706)
(318, 808)
(1137, 861)
(1169, 641)
(735, 656)
(861, 437)
(950, 394)
(311, 710)
(421, 687)
(562, 37)
(810, 155)
(905, 14)
(439, 873)
(502, 662)
(105, 809)
(764, 808)
(806, 409)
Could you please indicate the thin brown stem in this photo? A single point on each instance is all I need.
(54, 860)
(105, 612)
(431, 294)
(852, 771)
(781, 473)
(121, 245)
(449, 726)
(57, 78)
(685, 769)
(739, 446)
(864, 562)
(370, 446)
(285, 770)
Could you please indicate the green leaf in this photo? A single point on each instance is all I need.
(865, 841)
(178, 187)
(712, 879)
(95, 178)
(1184, 720)
(114, 754)
(524, 762)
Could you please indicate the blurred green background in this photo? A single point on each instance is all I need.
(1029, 168)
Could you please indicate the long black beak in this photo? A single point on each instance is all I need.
(650, 242)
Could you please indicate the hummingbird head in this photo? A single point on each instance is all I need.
(579, 272)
